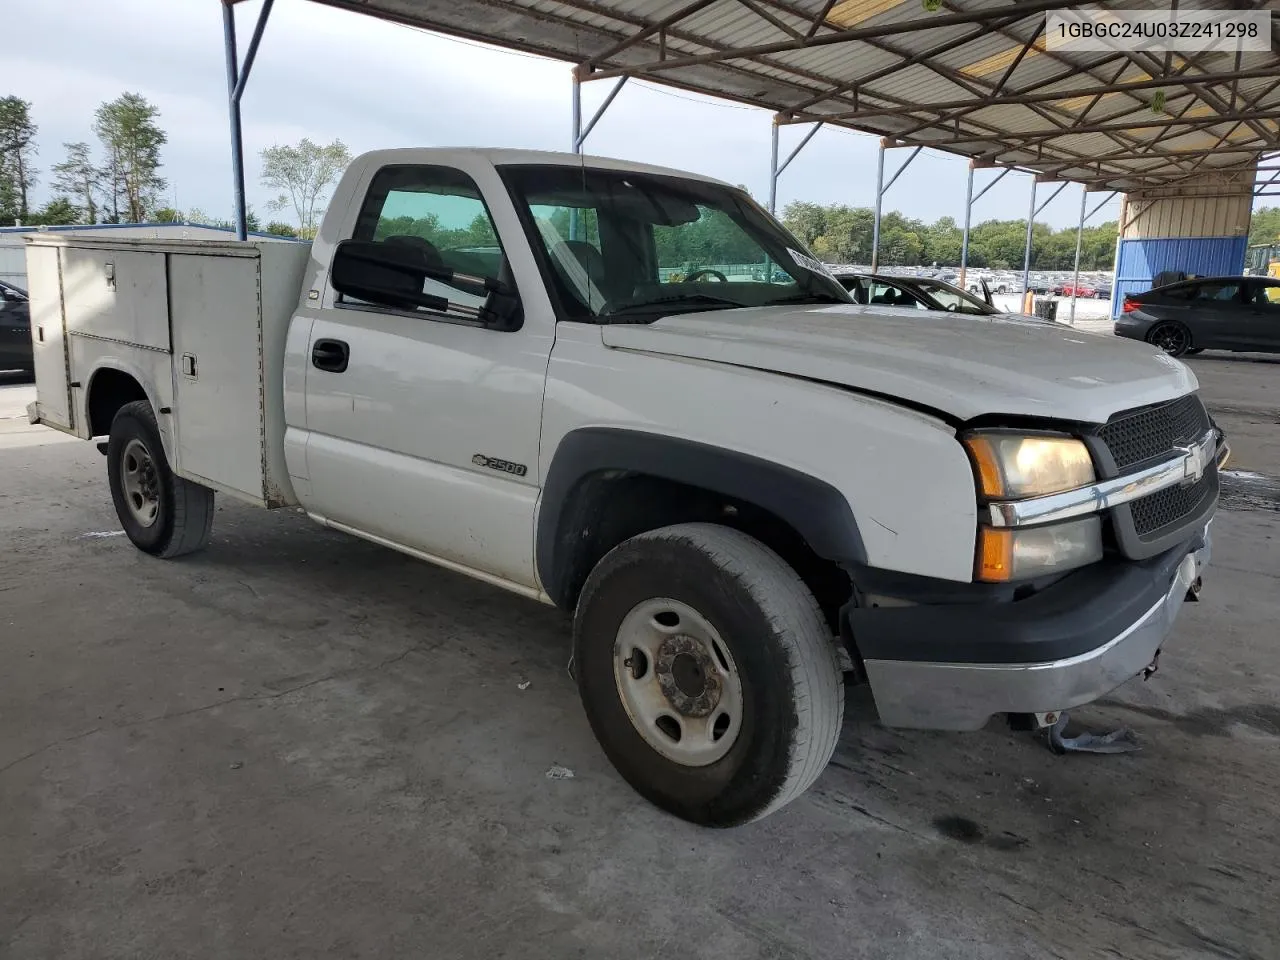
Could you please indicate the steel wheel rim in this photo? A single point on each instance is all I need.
(678, 682)
(140, 483)
(1171, 338)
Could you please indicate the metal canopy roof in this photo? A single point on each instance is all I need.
(973, 78)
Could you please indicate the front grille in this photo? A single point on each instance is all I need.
(1153, 432)
(1165, 509)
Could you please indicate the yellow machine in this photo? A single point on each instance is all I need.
(1263, 260)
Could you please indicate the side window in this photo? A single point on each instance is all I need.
(1265, 295)
(1220, 292)
(892, 296)
(438, 211)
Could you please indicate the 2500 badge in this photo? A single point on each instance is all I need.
(502, 466)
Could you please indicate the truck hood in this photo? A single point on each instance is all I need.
(962, 366)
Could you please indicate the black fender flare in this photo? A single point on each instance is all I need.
(813, 508)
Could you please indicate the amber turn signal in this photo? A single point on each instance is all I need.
(995, 555)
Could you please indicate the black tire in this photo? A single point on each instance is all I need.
(1170, 336)
(183, 517)
(782, 650)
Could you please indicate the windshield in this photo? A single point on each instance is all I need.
(953, 298)
(630, 247)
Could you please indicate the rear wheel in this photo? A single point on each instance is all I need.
(708, 673)
(1171, 337)
(162, 514)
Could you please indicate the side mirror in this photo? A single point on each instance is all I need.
(395, 275)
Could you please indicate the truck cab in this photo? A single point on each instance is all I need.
(631, 393)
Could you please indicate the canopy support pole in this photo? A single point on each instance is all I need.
(964, 237)
(580, 133)
(237, 77)
(776, 169)
(1026, 254)
(881, 188)
(1075, 273)
(969, 201)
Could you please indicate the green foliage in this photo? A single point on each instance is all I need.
(841, 234)
(1265, 226)
(17, 148)
(167, 215)
(712, 238)
(281, 229)
(479, 233)
(196, 215)
(303, 173)
(127, 129)
(78, 176)
(59, 211)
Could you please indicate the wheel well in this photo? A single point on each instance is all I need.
(608, 507)
(109, 390)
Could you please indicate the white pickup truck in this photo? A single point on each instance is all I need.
(630, 393)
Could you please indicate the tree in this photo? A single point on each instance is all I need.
(303, 173)
(196, 215)
(806, 220)
(57, 212)
(1264, 227)
(17, 147)
(77, 176)
(132, 139)
(842, 235)
(167, 215)
(279, 229)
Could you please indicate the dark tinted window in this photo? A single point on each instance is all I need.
(1264, 295)
(1220, 291)
(892, 295)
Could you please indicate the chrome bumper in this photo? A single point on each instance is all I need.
(965, 696)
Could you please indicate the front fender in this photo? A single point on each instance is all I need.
(813, 508)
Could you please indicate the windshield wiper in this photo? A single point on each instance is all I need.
(692, 299)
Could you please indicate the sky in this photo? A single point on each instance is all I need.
(329, 74)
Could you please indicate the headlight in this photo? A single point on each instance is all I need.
(1012, 466)
(1020, 554)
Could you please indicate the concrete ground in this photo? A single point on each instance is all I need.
(299, 745)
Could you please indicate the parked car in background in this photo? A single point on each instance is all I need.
(923, 293)
(1210, 313)
(1079, 290)
(15, 329)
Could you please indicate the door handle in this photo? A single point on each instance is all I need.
(330, 355)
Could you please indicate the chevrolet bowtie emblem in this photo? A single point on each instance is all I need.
(1193, 461)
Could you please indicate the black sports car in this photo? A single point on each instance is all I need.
(15, 329)
(1209, 313)
(922, 293)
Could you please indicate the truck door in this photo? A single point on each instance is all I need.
(422, 425)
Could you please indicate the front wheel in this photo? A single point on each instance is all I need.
(708, 673)
(1171, 337)
(162, 514)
